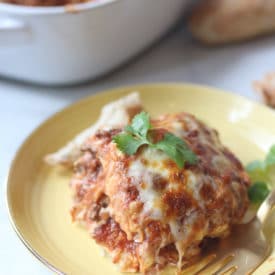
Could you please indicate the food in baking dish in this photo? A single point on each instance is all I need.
(143, 208)
(45, 3)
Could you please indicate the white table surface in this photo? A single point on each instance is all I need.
(176, 58)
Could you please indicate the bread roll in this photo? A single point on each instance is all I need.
(266, 89)
(225, 21)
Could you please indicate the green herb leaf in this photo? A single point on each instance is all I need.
(255, 165)
(136, 135)
(270, 158)
(257, 171)
(263, 171)
(140, 125)
(258, 192)
(127, 143)
(176, 149)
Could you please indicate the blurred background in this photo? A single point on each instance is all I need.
(53, 53)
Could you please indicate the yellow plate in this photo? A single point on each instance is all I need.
(39, 198)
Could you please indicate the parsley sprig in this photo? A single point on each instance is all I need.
(257, 192)
(262, 175)
(138, 133)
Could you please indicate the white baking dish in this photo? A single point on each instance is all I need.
(50, 45)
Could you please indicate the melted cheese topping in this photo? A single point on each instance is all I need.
(142, 174)
(142, 177)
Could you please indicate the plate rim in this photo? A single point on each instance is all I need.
(115, 90)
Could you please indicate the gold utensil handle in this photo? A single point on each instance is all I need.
(266, 207)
